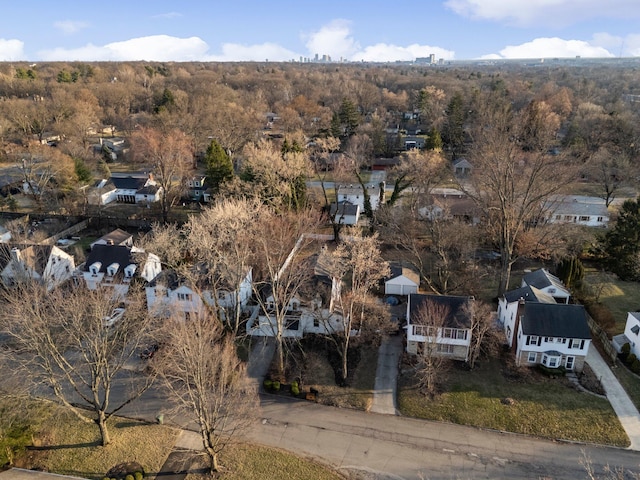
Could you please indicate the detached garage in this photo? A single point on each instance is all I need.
(402, 281)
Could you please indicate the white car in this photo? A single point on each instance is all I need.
(116, 315)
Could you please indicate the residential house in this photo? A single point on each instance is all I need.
(197, 189)
(451, 333)
(345, 213)
(135, 188)
(102, 192)
(553, 335)
(354, 194)
(411, 142)
(462, 167)
(578, 209)
(45, 263)
(548, 283)
(631, 334)
(169, 293)
(115, 237)
(401, 281)
(116, 266)
(450, 203)
(5, 235)
(319, 315)
(508, 307)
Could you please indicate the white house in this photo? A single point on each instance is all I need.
(354, 194)
(402, 281)
(553, 335)
(631, 334)
(450, 334)
(115, 266)
(345, 213)
(135, 187)
(197, 189)
(508, 307)
(45, 263)
(547, 283)
(462, 167)
(168, 293)
(579, 210)
(102, 192)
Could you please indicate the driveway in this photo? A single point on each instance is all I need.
(385, 389)
(623, 406)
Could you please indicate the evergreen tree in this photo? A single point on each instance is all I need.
(571, 271)
(621, 244)
(454, 125)
(434, 141)
(349, 117)
(219, 166)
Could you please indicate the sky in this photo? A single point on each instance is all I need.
(285, 30)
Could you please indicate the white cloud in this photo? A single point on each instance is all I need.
(11, 50)
(544, 12)
(168, 15)
(159, 48)
(382, 52)
(233, 52)
(631, 46)
(69, 27)
(333, 39)
(552, 48)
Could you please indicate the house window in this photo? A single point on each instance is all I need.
(316, 322)
(533, 339)
(444, 348)
(548, 339)
(448, 333)
(576, 343)
(184, 296)
(553, 362)
(558, 217)
(600, 219)
(584, 218)
(533, 357)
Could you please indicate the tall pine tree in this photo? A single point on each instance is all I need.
(219, 166)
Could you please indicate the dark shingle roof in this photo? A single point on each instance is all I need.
(396, 270)
(344, 208)
(559, 320)
(108, 254)
(542, 278)
(130, 182)
(148, 190)
(528, 294)
(456, 317)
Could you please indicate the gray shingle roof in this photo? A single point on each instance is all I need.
(542, 279)
(528, 294)
(456, 317)
(559, 320)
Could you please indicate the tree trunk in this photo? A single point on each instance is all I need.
(214, 463)
(104, 432)
(345, 358)
(280, 353)
(505, 275)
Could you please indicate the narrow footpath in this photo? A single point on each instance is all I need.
(623, 406)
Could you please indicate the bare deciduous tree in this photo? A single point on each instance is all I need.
(170, 155)
(484, 331)
(432, 365)
(357, 261)
(77, 344)
(207, 381)
(514, 174)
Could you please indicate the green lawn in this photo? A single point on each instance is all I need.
(549, 408)
(630, 382)
(619, 297)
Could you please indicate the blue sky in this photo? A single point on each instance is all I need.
(282, 30)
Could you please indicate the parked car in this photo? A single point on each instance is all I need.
(110, 320)
(149, 352)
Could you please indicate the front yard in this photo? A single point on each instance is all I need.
(515, 400)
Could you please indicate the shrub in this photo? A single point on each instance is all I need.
(138, 475)
(129, 477)
(295, 389)
(552, 372)
(626, 349)
(635, 366)
(631, 358)
(275, 386)
(268, 384)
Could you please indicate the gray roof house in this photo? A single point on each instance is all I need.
(548, 283)
(553, 335)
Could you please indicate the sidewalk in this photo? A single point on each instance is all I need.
(623, 406)
(385, 389)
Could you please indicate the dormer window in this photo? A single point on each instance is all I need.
(112, 269)
(129, 271)
(94, 268)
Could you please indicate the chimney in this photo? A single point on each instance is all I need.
(15, 254)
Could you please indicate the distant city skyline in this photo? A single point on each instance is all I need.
(347, 30)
